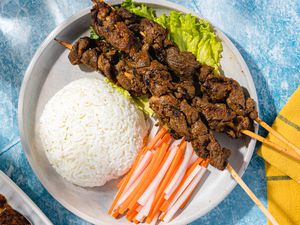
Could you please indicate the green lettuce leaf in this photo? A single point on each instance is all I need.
(93, 34)
(142, 102)
(187, 31)
(140, 10)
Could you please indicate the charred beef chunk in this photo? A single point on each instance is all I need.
(205, 70)
(191, 114)
(221, 118)
(98, 55)
(226, 90)
(9, 216)
(168, 112)
(142, 58)
(78, 49)
(236, 99)
(250, 108)
(157, 78)
(198, 129)
(128, 18)
(206, 146)
(90, 58)
(218, 156)
(200, 145)
(106, 62)
(129, 79)
(216, 87)
(184, 64)
(154, 35)
(109, 24)
(2, 201)
(242, 123)
(184, 89)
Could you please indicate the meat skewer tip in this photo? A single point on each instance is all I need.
(63, 43)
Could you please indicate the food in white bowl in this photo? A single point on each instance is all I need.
(78, 130)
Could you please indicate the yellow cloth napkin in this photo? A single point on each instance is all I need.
(283, 172)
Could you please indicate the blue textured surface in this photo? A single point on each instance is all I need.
(267, 33)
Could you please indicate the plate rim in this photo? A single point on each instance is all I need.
(166, 4)
(21, 194)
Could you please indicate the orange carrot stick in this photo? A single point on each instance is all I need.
(130, 216)
(158, 136)
(121, 181)
(158, 204)
(115, 214)
(127, 177)
(146, 179)
(165, 139)
(136, 221)
(205, 163)
(159, 198)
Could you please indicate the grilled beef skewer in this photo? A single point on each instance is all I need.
(187, 122)
(216, 118)
(218, 89)
(169, 109)
(139, 70)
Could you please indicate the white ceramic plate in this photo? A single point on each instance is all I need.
(21, 202)
(50, 70)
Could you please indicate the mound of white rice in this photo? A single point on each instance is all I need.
(91, 133)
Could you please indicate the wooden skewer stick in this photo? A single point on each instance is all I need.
(63, 43)
(239, 180)
(277, 135)
(271, 144)
(246, 132)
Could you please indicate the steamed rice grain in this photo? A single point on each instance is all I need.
(90, 132)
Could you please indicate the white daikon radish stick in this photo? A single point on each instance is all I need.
(161, 216)
(180, 172)
(171, 212)
(139, 217)
(153, 132)
(145, 209)
(158, 178)
(196, 171)
(154, 221)
(185, 184)
(175, 144)
(140, 168)
(193, 158)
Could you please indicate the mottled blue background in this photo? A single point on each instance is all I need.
(267, 33)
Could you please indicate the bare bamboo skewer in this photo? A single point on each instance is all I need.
(243, 185)
(233, 173)
(271, 144)
(246, 132)
(64, 44)
(277, 135)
